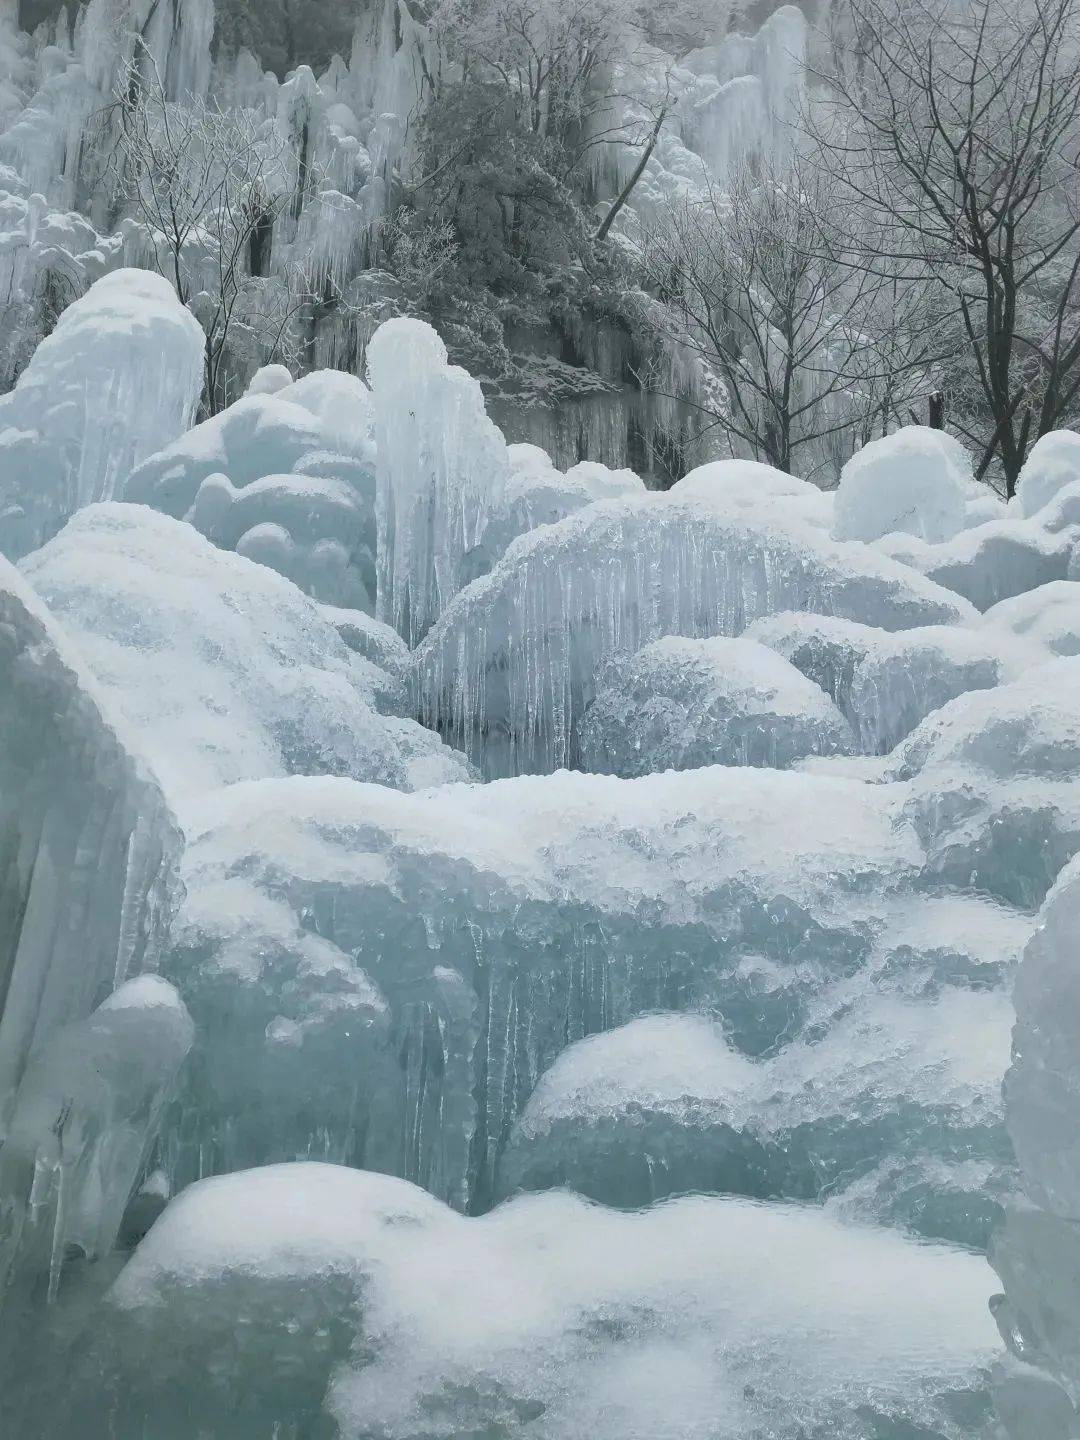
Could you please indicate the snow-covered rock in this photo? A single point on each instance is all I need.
(1053, 463)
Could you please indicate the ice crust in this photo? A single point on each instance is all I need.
(364, 1300)
(224, 670)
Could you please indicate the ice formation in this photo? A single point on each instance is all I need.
(291, 1084)
(510, 668)
(442, 466)
(366, 1307)
(682, 704)
(122, 372)
(224, 670)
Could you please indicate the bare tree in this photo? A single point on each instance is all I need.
(958, 124)
(808, 349)
(208, 185)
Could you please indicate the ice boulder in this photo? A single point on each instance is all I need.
(269, 380)
(536, 493)
(748, 487)
(223, 669)
(510, 668)
(886, 683)
(120, 375)
(1046, 617)
(991, 562)
(912, 482)
(679, 704)
(1053, 463)
(442, 468)
(666, 1105)
(88, 885)
(330, 1300)
(994, 784)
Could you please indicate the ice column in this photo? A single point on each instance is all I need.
(442, 467)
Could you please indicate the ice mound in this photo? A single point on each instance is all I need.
(536, 493)
(911, 482)
(442, 465)
(120, 374)
(259, 435)
(993, 561)
(681, 704)
(224, 669)
(1048, 616)
(286, 478)
(269, 380)
(896, 1068)
(88, 883)
(885, 684)
(500, 921)
(510, 668)
(1053, 463)
(994, 791)
(309, 1296)
(1037, 1253)
(748, 487)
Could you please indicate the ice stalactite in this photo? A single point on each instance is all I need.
(442, 467)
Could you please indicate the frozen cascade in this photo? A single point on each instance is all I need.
(121, 373)
(510, 668)
(442, 467)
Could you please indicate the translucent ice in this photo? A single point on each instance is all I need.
(87, 884)
(498, 921)
(992, 561)
(225, 670)
(121, 373)
(510, 668)
(442, 467)
(680, 704)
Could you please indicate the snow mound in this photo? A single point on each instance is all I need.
(1048, 616)
(680, 704)
(912, 482)
(993, 561)
(121, 372)
(223, 669)
(254, 1289)
(1053, 463)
